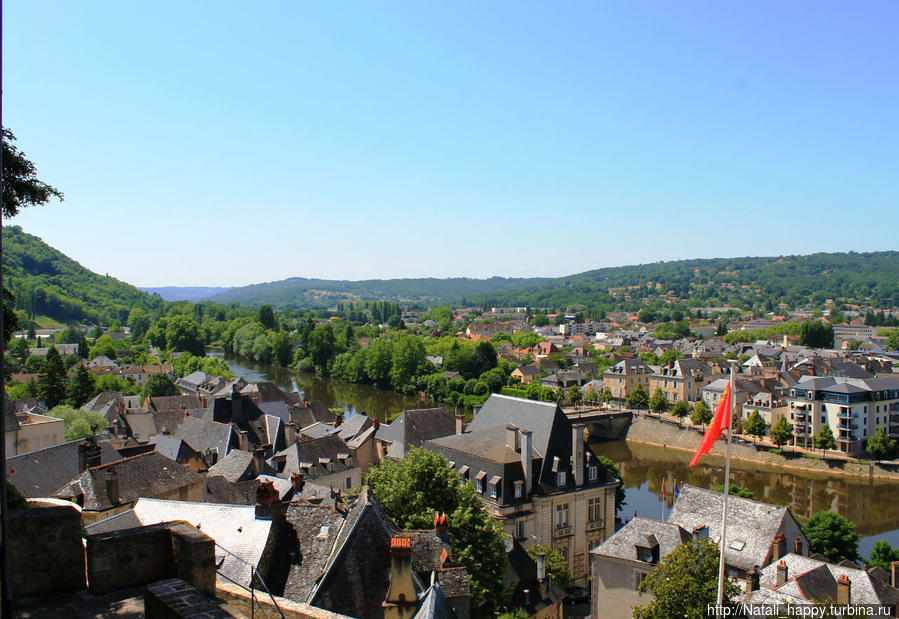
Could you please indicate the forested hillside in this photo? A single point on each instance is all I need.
(299, 292)
(748, 283)
(48, 283)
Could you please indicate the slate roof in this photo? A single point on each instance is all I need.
(264, 391)
(353, 427)
(220, 490)
(313, 411)
(141, 425)
(237, 466)
(311, 452)
(174, 402)
(278, 409)
(538, 417)
(623, 544)
(145, 475)
(205, 434)
(434, 605)
(42, 472)
(811, 579)
(233, 527)
(174, 448)
(752, 522)
(318, 430)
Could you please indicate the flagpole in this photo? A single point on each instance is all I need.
(722, 543)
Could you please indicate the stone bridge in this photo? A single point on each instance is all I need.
(609, 424)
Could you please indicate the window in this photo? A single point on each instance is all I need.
(493, 490)
(519, 489)
(519, 529)
(562, 515)
(594, 510)
(560, 479)
(479, 487)
(348, 483)
(592, 473)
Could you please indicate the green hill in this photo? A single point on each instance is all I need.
(48, 283)
(299, 292)
(752, 282)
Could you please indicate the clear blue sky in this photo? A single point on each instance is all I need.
(224, 143)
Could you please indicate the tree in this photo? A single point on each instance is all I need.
(781, 432)
(680, 409)
(159, 385)
(378, 362)
(755, 424)
(111, 383)
(824, 439)
(183, 334)
(658, 403)
(880, 446)
(816, 334)
(638, 398)
(81, 388)
(79, 423)
(321, 348)
(614, 473)
(52, 379)
(422, 485)
(831, 535)
(736, 490)
(556, 564)
(574, 394)
(883, 554)
(281, 349)
(138, 322)
(684, 583)
(266, 317)
(702, 414)
(21, 187)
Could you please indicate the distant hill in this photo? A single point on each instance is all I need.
(751, 282)
(49, 283)
(300, 292)
(185, 293)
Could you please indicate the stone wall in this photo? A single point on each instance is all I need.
(174, 598)
(249, 604)
(133, 557)
(45, 549)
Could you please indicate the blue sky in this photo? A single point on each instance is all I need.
(222, 143)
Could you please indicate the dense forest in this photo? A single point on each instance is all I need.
(48, 283)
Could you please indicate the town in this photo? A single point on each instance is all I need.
(312, 508)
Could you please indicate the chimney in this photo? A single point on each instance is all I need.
(797, 546)
(376, 423)
(844, 590)
(297, 480)
(112, 485)
(88, 454)
(401, 601)
(527, 455)
(290, 434)
(754, 580)
(781, 573)
(779, 548)
(268, 502)
(577, 453)
(512, 441)
(542, 579)
(338, 420)
(243, 441)
(895, 574)
(441, 526)
(458, 424)
(258, 461)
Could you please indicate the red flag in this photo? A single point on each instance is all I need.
(719, 423)
(663, 490)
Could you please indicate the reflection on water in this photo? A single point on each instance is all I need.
(871, 504)
(376, 403)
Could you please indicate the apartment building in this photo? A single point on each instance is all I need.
(683, 379)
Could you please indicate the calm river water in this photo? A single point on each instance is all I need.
(872, 506)
(376, 403)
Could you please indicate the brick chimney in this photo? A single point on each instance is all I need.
(243, 440)
(401, 601)
(754, 580)
(797, 546)
(290, 434)
(338, 421)
(895, 574)
(459, 424)
(779, 546)
(297, 480)
(112, 485)
(441, 526)
(844, 590)
(543, 579)
(268, 502)
(527, 456)
(781, 573)
(88, 454)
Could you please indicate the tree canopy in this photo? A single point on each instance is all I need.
(422, 485)
(831, 535)
(21, 186)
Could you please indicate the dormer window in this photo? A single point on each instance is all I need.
(479, 482)
(519, 489)
(592, 474)
(560, 479)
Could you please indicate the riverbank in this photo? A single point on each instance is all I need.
(648, 431)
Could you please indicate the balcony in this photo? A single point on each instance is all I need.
(594, 525)
(846, 438)
(561, 531)
(797, 416)
(847, 426)
(846, 415)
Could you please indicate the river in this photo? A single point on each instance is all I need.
(376, 403)
(871, 505)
